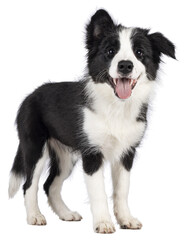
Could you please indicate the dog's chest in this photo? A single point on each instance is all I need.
(113, 129)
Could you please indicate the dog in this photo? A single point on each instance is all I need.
(102, 117)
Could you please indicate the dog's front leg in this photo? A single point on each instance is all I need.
(94, 179)
(121, 182)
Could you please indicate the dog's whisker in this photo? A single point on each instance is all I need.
(101, 75)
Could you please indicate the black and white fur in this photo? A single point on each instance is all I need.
(100, 118)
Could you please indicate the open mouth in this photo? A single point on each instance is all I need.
(123, 87)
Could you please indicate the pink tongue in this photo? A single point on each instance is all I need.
(123, 89)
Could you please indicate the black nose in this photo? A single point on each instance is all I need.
(125, 67)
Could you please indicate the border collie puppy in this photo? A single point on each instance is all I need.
(100, 118)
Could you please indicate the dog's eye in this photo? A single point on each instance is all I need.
(110, 52)
(139, 53)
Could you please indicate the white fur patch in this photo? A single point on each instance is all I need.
(112, 126)
(98, 200)
(121, 182)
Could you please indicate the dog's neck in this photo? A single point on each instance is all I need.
(104, 99)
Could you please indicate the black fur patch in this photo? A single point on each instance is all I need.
(142, 117)
(52, 110)
(127, 158)
(102, 39)
(92, 162)
(54, 169)
(160, 44)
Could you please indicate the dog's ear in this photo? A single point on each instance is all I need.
(161, 44)
(100, 24)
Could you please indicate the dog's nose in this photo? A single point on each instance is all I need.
(125, 67)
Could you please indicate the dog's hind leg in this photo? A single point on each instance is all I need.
(61, 165)
(35, 160)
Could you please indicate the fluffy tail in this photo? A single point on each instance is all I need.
(16, 174)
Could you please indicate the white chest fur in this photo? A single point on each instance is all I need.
(112, 124)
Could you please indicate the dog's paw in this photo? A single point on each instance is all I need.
(36, 219)
(70, 216)
(104, 227)
(130, 223)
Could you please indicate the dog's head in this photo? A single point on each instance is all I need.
(123, 56)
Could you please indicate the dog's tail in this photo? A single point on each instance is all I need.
(16, 174)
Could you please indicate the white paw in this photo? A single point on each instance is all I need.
(104, 227)
(70, 216)
(130, 223)
(36, 219)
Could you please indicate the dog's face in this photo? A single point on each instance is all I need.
(122, 56)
